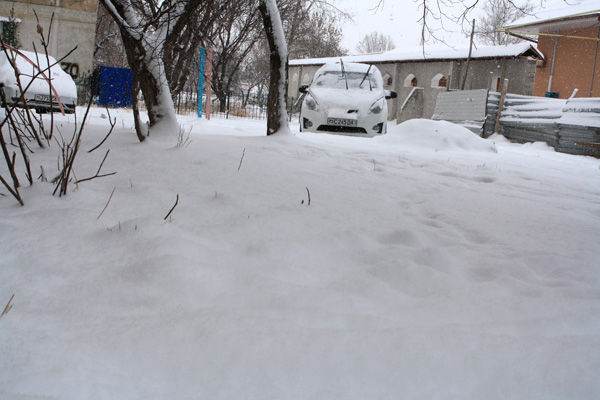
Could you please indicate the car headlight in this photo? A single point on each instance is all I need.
(311, 103)
(377, 107)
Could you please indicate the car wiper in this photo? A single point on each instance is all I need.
(344, 73)
(365, 77)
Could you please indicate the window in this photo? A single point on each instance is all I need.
(439, 81)
(411, 81)
(387, 80)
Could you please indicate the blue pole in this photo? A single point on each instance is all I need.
(201, 82)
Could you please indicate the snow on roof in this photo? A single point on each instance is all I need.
(559, 9)
(421, 53)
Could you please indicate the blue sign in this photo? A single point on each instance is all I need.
(114, 87)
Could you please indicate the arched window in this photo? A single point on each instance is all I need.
(439, 81)
(387, 80)
(295, 79)
(306, 79)
(410, 81)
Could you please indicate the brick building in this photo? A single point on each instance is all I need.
(568, 36)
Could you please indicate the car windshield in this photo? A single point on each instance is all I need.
(337, 80)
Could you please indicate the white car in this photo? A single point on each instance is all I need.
(346, 98)
(38, 93)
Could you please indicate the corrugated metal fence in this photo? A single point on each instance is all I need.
(570, 126)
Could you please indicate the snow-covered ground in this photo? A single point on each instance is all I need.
(424, 264)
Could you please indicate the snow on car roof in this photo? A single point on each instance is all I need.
(22, 63)
(61, 81)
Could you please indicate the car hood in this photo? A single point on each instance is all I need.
(344, 100)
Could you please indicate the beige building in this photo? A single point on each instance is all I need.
(73, 25)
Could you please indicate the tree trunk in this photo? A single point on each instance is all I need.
(140, 130)
(149, 75)
(144, 42)
(277, 119)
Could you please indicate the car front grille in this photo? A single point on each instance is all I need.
(344, 129)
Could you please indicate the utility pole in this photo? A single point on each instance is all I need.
(462, 86)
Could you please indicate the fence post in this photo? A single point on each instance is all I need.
(228, 104)
(209, 55)
(201, 82)
(501, 105)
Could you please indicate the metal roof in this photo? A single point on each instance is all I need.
(420, 54)
(557, 15)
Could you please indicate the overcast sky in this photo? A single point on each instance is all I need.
(397, 18)
(400, 20)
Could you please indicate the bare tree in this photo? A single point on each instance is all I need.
(311, 31)
(375, 42)
(156, 33)
(318, 35)
(238, 29)
(435, 14)
(498, 14)
(109, 50)
(277, 120)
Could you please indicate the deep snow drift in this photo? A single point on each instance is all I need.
(429, 263)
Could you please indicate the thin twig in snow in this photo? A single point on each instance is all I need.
(112, 126)
(97, 172)
(242, 159)
(176, 201)
(8, 306)
(107, 203)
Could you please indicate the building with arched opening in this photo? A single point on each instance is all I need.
(419, 74)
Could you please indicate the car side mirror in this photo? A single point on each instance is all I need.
(303, 89)
(392, 95)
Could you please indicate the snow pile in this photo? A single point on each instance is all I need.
(306, 266)
(436, 136)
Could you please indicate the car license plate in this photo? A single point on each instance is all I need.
(44, 97)
(341, 122)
